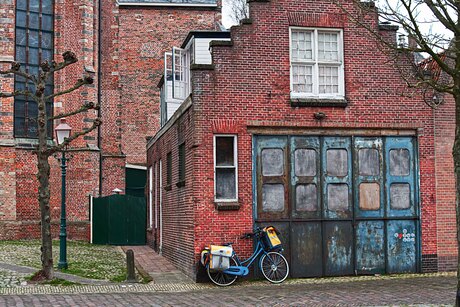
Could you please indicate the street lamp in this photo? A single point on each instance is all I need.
(62, 132)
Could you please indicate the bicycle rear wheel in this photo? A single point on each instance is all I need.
(274, 267)
(220, 278)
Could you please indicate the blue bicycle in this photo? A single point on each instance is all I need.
(272, 264)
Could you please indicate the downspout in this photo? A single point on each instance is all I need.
(99, 91)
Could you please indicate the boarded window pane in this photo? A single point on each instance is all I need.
(224, 151)
(225, 183)
(337, 162)
(305, 162)
(272, 197)
(369, 196)
(369, 164)
(399, 162)
(337, 196)
(400, 196)
(272, 162)
(306, 197)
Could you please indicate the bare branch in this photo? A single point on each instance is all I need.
(18, 93)
(83, 108)
(77, 85)
(96, 123)
(15, 69)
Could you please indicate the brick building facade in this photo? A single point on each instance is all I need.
(302, 122)
(119, 43)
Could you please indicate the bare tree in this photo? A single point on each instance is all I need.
(239, 9)
(43, 150)
(439, 74)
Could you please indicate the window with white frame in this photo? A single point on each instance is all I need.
(225, 168)
(316, 63)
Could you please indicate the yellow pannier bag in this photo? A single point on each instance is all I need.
(271, 238)
(220, 257)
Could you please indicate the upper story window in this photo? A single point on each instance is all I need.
(34, 44)
(316, 63)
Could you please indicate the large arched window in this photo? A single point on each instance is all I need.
(34, 44)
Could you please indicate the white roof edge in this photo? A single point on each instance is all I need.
(136, 166)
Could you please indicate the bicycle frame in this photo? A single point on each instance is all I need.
(259, 250)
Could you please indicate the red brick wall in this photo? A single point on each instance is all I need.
(249, 87)
(145, 34)
(74, 30)
(445, 185)
(178, 202)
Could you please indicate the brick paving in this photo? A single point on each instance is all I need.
(156, 266)
(172, 288)
(434, 290)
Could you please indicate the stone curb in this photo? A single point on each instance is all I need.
(47, 289)
(69, 277)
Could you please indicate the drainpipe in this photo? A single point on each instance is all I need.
(99, 91)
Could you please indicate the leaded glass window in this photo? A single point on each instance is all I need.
(34, 44)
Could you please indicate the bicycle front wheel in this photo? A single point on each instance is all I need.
(274, 267)
(220, 278)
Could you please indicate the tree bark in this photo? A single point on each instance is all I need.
(456, 157)
(43, 189)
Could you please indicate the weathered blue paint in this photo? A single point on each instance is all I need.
(368, 143)
(397, 143)
(266, 143)
(309, 143)
(370, 247)
(338, 248)
(306, 249)
(336, 143)
(401, 246)
(343, 240)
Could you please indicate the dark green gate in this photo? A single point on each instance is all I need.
(119, 220)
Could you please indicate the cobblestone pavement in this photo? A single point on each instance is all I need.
(434, 290)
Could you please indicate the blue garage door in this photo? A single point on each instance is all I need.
(344, 205)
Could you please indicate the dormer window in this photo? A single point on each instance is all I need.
(316, 63)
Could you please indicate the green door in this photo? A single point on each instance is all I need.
(119, 220)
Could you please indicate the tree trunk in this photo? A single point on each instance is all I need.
(456, 156)
(44, 191)
(45, 212)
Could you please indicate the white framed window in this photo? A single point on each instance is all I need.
(225, 168)
(316, 63)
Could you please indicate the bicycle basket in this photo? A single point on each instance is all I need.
(220, 257)
(270, 238)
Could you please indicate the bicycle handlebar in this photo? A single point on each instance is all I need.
(249, 235)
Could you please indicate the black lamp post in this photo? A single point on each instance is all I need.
(62, 132)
